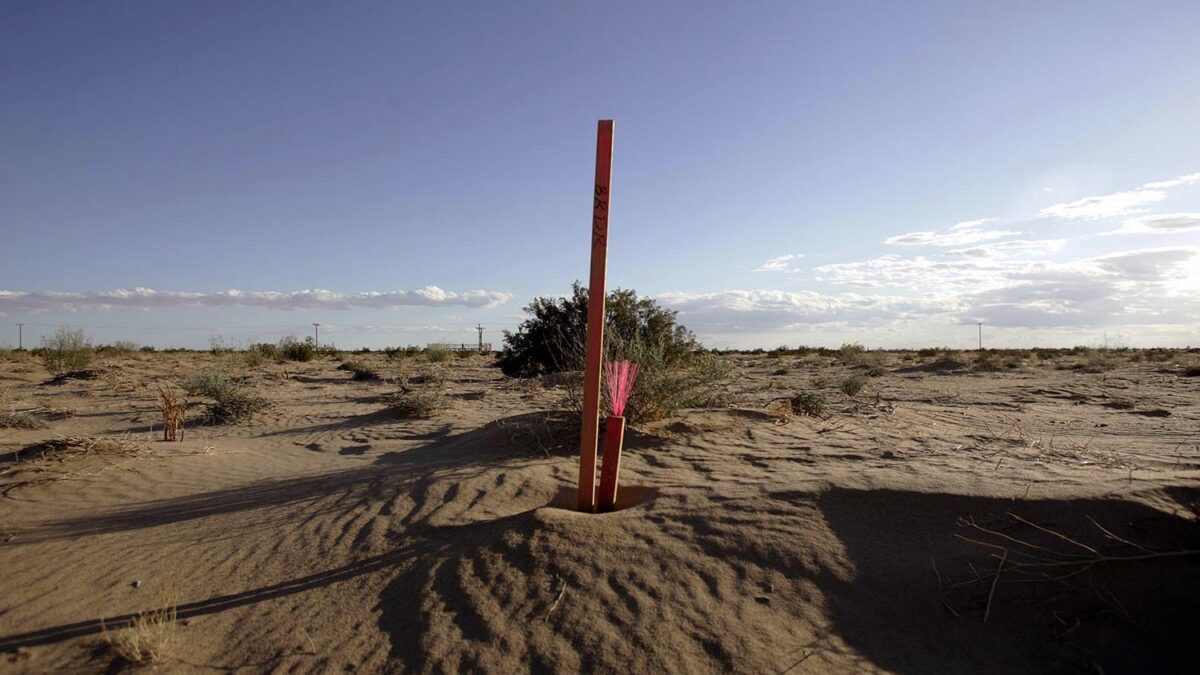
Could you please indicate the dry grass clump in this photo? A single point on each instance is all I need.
(1097, 361)
(173, 409)
(419, 396)
(147, 639)
(1191, 371)
(809, 403)
(232, 400)
(21, 420)
(69, 447)
(359, 371)
(67, 351)
(437, 354)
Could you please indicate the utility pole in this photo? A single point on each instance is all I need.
(20, 336)
(317, 335)
(479, 327)
(980, 336)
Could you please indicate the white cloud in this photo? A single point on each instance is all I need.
(146, 298)
(955, 238)
(1189, 179)
(1127, 203)
(780, 263)
(1159, 223)
(1011, 247)
(1108, 206)
(971, 224)
(756, 309)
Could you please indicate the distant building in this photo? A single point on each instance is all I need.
(461, 347)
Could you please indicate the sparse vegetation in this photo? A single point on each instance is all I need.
(20, 420)
(850, 354)
(852, 385)
(147, 639)
(437, 354)
(809, 403)
(68, 350)
(420, 396)
(232, 400)
(359, 371)
(173, 409)
(294, 349)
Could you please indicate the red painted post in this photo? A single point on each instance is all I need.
(614, 436)
(595, 325)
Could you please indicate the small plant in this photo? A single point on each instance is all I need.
(293, 349)
(851, 353)
(147, 639)
(423, 399)
(986, 362)
(809, 403)
(173, 409)
(18, 420)
(360, 371)
(260, 353)
(437, 354)
(69, 350)
(781, 371)
(1192, 371)
(232, 401)
(852, 385)
(876, 371)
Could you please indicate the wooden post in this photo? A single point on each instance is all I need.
(614, 437)
(595, 325)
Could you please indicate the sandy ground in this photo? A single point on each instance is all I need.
(329, 535)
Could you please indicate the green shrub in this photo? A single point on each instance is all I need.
(551, 340)
(852, 385)
(232, 401)
(674, 372)
(69, 350)
(293, 349)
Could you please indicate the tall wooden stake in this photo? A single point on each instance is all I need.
(595, 325)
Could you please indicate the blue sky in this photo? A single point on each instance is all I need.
(401, 171)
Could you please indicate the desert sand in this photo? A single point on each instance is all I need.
(329, 534)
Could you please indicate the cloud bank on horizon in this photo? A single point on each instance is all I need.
(1043, 273)
(148, 299)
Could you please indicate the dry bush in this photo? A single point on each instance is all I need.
(1192, 371)
(173, 409)
(20, 420)
(68, 351)
(851, 353)
(359, 371)
(422, 396)
(437, 354)
(809, 403)
(148, 639)
(1097, 361)
(852, 385)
